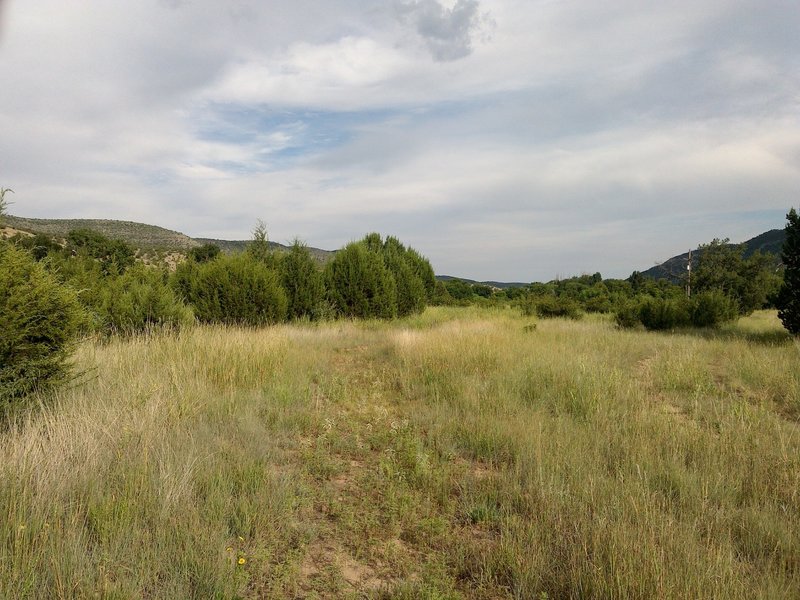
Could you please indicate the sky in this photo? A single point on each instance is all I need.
(512, 140)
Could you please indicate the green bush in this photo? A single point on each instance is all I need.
(550, 307)
(114, 255)
(712, 308)
(359, 284)
(234, 290)
(204, 253)
(141, 300)
(302, 281)
(661, 314)
(528, 305)
(39, 320)
(788, 297)
(628, 315)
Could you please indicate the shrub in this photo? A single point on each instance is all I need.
(204, 253)
(39, 320)
(528, 305)
(788, 298)
(598, 304)
(302, 281)
(140, 300)
(234, 290)
(39, 245)
(709, 309)
(628, 315)
(551, 307)
(359, 284)
(660, 314)
(114, 255)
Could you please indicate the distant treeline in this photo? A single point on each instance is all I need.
(724, 283)
(53, 291)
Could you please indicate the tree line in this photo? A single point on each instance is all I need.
(723, 284)
(54, 292)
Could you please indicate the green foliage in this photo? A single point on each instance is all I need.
(359, 284)
(259, 248)
(39, 245)
(441, 297)
(114, 255)
(303, 283)
(458, 289)
(528, 305)
(411, 291)
(482, 290)
(422, 268)
(551, 307)
(722, 267)
(788, 299)
(627, 315)
(661, 314)
(712, 308)
(39, 320)
(3, 202)
(204, 253)
(234, 290)
(140, 300)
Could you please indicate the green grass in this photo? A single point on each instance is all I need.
(457, 454)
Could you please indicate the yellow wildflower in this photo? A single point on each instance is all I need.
(242, 560)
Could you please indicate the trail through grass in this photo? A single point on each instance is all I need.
(459, 454)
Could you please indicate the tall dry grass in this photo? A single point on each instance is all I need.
(455, 454)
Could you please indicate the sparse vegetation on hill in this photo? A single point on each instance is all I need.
(138, 235)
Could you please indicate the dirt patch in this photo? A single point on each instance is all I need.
(7, 232)
(326, 558)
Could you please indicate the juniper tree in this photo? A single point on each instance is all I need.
(788, 301)
(3, 202)
(302, 280)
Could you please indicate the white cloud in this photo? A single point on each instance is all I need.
(532, 135)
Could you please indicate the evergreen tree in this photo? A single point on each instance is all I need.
(3, 202)
(302, 280)
(259, 247)
(722, 267)
(39, 320)
(411, 292)
(359, 284)
(788, 301)
(233, 290)
(204, 253)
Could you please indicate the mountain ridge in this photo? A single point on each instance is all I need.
(154, 237)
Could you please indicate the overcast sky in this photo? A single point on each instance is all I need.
(504, 139)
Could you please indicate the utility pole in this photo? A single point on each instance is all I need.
(689, 276)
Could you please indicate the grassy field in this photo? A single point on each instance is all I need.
(459, 454)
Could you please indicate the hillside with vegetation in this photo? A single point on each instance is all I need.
(674, 269)
(139, 235)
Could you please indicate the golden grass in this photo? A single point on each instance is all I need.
(457, 454)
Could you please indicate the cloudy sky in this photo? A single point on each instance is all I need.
(505, 139)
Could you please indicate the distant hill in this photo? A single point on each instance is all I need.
(769, 242)
(140, 235)
(495, 284)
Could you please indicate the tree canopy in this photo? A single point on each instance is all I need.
(788, 300)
